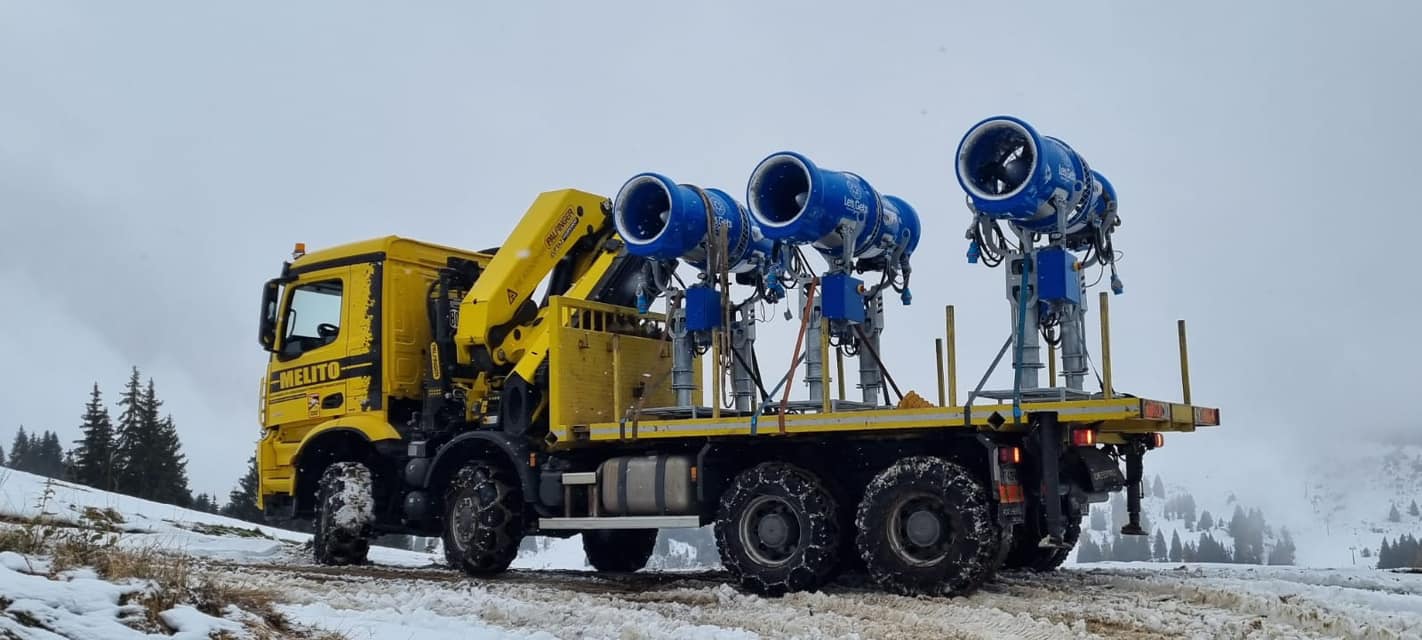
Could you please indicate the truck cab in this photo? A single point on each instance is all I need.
(348, 334)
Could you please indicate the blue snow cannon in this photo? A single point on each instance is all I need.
(908, 227)
(797, 202)
(1011, 172)
(658, 218)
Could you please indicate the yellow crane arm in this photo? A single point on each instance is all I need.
(549, 231)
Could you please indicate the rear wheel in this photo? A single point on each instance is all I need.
(778, 530)
(619, 550)
(925, 527)
(483, 519)
(345, 513)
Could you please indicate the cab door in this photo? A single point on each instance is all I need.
(323, 349)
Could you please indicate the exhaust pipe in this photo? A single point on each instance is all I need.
(660, 219)
(795, 201)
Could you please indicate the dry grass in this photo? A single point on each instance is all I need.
(176, 580)
(172, 579)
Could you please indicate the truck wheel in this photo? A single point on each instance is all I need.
(483, 519)
(778, 530)
(345, 512)
(1025, 553)
(925, 527)
(619, 550)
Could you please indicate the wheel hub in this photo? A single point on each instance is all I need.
(923, 528)
(921, 531)
(773, 530)
(463, 523)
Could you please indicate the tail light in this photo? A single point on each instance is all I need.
(1207, 417)
(1152, 410)
(1009, 455)
(1083, 437)
(1157, 440)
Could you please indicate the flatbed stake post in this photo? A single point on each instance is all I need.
(938, 354)
(952, 354)
(1184, 362)
(1105, 346)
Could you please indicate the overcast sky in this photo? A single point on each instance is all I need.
(158, 161)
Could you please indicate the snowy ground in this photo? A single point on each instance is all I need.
(404, 594)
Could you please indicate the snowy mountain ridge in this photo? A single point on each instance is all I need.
(1336, 510)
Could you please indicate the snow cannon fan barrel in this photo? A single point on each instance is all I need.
(660, 219)
(1013, 173)
(795, 201)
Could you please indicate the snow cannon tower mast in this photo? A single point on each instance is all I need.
(1061, 215)
(667, 222)
(857, 230)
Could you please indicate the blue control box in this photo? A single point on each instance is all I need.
(1057, 279)
(840, 298)
(703, 308)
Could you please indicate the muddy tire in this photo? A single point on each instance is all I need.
(925, 527)
(483, 519)
(345, 511)
(777, 529)
(619, 550)
(1025, 554)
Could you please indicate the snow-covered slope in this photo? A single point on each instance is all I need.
(147, 524)
(1348, 500)
(404, 594)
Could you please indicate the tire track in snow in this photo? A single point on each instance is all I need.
(1198, 603)
(1111, 603)
(588, 605)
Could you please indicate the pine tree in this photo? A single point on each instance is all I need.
(1206, 522)
(1248, 532)
(1141, 548)
(1283, 551)
(94, 457)
(1098, 519)
(131, 442)
(1190, 553)
(1118, 512)
(205, 503)
(1393, 515)
(171, 485)
(48, 456)
(242, 501)
(1158, 488)
(1160, 553)
(1177, 554)
(19, 450)
(1384, 555)
(69, 465)
(1210, 550)
(1087, 551)
(1413, 510)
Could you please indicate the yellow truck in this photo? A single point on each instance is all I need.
(483, 396)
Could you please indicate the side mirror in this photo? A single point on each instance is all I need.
(266, 329)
